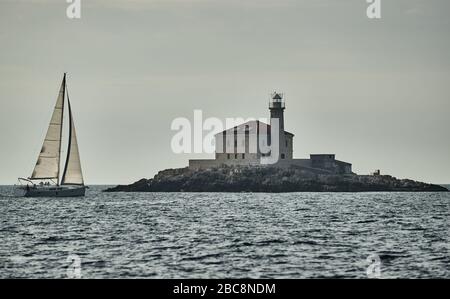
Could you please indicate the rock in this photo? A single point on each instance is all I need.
(269, 179)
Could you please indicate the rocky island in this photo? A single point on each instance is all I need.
(239, 166)
(269, 179)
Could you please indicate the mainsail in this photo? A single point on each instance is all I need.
(72, 171)
(47, 165)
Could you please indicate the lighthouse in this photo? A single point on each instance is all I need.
(276, 107)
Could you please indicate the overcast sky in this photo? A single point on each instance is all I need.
(375, 92)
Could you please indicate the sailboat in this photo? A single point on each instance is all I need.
(45, 179)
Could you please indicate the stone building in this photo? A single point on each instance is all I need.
(255, 143)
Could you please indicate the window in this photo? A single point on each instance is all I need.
(282, 156)
(235, 156)
(228, 156)
(243, 156)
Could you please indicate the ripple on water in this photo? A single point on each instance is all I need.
(218, 235)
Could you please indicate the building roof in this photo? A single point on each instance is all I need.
(251, 127)
(277, 96)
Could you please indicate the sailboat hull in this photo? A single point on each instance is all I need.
(55, 191)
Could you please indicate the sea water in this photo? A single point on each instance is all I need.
(225, 235)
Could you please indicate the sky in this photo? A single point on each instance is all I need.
(376, 92)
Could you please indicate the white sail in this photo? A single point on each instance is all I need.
(47, 165)
(72, 171)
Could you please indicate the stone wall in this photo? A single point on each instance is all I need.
(337, 167)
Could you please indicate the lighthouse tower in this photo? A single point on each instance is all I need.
(276, 107)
